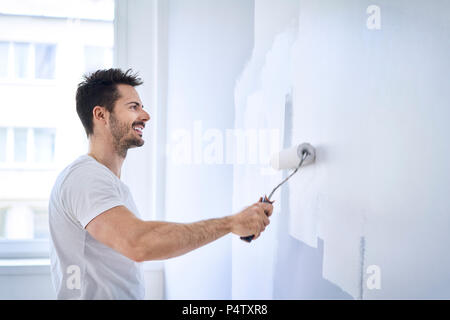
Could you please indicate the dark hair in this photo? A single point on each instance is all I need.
(99, 88)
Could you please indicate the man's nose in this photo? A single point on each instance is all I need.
(145, 116)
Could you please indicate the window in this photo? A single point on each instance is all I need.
(44, 145)
(20, 144)
(27, 60)
(2, 145)
(44, 61)
(21, 59)
(4, 53)
(3, 212)
(40, 223)
(20, 220)
(21, 216)
(29, 147)
(44, 51)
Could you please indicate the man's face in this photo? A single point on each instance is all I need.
(127, 121)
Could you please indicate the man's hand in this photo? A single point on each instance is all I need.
(252, 220)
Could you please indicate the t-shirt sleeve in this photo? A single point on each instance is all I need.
(89, 191)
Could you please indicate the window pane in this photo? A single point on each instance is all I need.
(34, 49)
(40, 221)
(45, 55)
(20, 144)
(2, 144)
(4, 50)
(44, 140)
(21, 52)
(3, 212)
(19, 222)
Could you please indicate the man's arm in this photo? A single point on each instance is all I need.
(141, 240)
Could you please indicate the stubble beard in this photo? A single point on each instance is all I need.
(123, 137)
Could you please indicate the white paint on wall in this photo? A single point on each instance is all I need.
(260, 96)
(374, 104)
(208, 44)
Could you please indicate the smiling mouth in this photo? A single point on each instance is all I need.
(138, 129)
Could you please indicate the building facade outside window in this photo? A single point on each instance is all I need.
(45, 48)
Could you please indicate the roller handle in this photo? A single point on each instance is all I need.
(250, 238)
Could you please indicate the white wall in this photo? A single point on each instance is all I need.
(375, 105)
(138, 35)
(383, 140)
(209, 43)
(259, 102)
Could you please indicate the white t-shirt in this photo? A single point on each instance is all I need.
(82, 267)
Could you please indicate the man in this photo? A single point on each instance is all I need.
(97, 237)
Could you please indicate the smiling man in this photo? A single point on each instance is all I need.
(98, 240)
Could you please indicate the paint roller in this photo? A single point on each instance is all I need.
(293, 158)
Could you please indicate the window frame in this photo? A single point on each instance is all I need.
(36, 248)
(30, 163)
(31, 67)
(24, 249)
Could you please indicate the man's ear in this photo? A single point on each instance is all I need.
(99, 113)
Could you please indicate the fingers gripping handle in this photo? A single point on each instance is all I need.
(250, 238)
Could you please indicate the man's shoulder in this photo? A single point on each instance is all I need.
(81, 170)
(75, 165)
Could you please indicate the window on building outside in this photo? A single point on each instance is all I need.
(4, 53)
(27, 60)
(44, 61)
(3, 222)
(21, 59)
(28, 145)
(20, 144)
(2, 145)
(44, 145)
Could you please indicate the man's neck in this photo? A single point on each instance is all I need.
(106, 155)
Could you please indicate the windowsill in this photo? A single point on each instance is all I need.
(42, 266)
(24, 266)
(27, 167)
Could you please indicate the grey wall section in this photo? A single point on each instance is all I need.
(298, 267)
(209, 43)
(298, 273)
